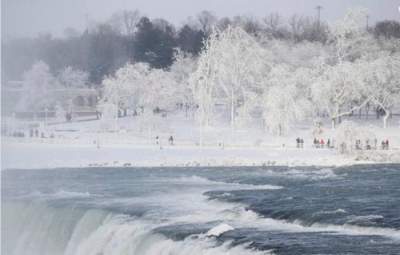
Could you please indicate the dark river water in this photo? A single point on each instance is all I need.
(168, 211)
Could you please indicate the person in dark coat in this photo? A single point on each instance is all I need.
(316, 143)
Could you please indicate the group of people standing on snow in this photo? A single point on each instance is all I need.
(317, 143)
(299, 142)
(321, 143)
(385, 144)
(372, 146)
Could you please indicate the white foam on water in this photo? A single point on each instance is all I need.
(37, 229)
(71, 194)
(294, 173)
(298, 226)
(225, 185)
(371, 219)
(42, 230)
(238, 217)
(60, 194)
(119, 235)
(219, 230)
(340, 210)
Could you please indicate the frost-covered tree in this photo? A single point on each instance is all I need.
(383, 77)
(350, 38)
(72, 78)
(127, 87)
(142, 89)
(203, 82)
(342, 86)
(339, 90)
(160, 91)
(181, 71)
(39, 85)
(280, 109)
(137, 85)
(285, 99)
(238, 66)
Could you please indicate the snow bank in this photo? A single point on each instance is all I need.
(34, 156)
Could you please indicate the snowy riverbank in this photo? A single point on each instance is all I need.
(83, 144)
(22, 155)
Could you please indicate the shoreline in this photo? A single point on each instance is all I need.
(51, 156)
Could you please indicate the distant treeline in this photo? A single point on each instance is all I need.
(130, 37)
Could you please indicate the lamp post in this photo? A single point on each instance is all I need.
(319, 8)
(45, 116)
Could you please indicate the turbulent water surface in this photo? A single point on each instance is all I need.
(277, 210)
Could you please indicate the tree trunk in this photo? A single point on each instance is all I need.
(385, 118)
(377, 112)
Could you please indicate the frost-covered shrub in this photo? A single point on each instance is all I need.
(347, 135)
(109, 115)
(60, 113)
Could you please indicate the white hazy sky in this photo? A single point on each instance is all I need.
(30, 17)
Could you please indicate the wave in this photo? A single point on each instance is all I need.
(41, 229)
(238, 216)
(60, 194)
(70, 194)
(348, 229)
(223, 185)
(315, 174)
(252, 219)
(123, 236)
(365, 219)
(340, 210)
(219, 230)
(37, 228)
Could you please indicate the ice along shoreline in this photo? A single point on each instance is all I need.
(40, 156)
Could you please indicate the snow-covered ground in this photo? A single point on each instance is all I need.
(82, 144)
